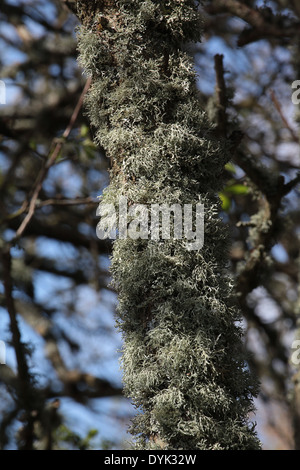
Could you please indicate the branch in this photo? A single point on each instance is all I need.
(24, 390)
(50, 161)
(71, 5)
(221, 95)
(6, 420)
(63, 233)
(283, 118)
(291, 185)
(80, 386)
(67, 202)
(260, 27)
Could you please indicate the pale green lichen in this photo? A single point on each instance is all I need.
(183, 360)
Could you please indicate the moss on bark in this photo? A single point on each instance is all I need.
(184, 364)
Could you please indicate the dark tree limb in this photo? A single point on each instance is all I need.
(259, 27)
(221, 95)
(25, 388)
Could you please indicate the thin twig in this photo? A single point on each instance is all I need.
(50, 162)
(283, 118)
(67, 202)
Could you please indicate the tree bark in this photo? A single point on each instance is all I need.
(184, 365)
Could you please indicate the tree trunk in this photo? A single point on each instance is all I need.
(184, 364)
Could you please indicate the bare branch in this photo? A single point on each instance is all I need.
(24, 389)
(221, 95)
(67, 202)
(283, 118)
(260, 28)
(50, 161)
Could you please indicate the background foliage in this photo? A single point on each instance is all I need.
(62, 361)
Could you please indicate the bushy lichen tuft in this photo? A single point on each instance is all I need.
(184, 365)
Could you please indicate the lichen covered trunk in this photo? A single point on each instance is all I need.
(183, 360)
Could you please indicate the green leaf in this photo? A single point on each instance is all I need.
(32, 144)
(84, 131)
(230, 167)
(226, 202)
(237, 189)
